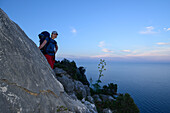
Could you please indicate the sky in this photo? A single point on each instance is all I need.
(116, 30)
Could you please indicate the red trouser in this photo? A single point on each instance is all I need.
(50, 59)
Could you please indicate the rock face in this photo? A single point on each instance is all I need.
(72, 86)
(27, 83)
(106, 98)
(96, 98)
(76, 89)
(107, 110)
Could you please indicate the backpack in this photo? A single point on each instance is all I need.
(42, 36)
(50, 47)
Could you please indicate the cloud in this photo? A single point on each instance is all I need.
(167, 29)
(126, 50)
(107, 55)
(101, 44)
(149, 30)
(106, 50)
(73, 30)
(162, 43)
(100, 56)
(156, 51)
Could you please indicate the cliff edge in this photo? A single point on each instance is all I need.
(27, 82)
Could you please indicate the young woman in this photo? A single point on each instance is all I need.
(51, 48)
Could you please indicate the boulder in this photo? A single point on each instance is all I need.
(106, 97)
(72, 86)
(80, 89)
(81, 70)
(107, 110)
(27, 82)
(67, 83)
(96, 98)
(87, 90)
(90, 106)
(90, 99)
(59, 71)
(73, 96)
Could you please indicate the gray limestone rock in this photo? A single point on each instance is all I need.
(96, 98)
(87, 90)
(106, 97)
(27, 82)
(73, 96)
(67, 83)
(107, 110)
(80, 89)
(90, 106)
(90, 99)
(59, 71)
(71, 86)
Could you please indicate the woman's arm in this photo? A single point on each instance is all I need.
(43, 44)
(56, 46)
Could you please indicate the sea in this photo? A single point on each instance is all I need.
(147, 83)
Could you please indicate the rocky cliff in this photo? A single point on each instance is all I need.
(27, 83)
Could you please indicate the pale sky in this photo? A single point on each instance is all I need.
(94, 29)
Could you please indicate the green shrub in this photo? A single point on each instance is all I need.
(121, 104)
(101, 67)
(71, 69)
(126, 103)
(111, 89)
(79, 95)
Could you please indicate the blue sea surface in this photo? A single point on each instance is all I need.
(147, 83)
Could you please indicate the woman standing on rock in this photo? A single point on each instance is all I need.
(49, 48)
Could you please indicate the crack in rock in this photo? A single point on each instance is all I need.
(28, 91)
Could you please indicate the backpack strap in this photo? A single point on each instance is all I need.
(44, 48)
(48, 41)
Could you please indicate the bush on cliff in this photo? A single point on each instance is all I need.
(110, 89)
(71, 69)
(126, 103)
(122, 104)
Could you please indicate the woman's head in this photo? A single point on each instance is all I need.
(54, 34)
